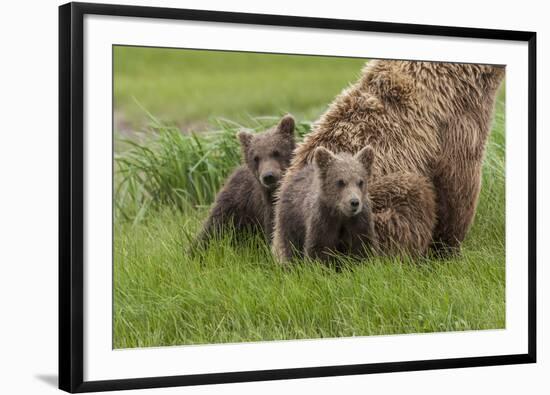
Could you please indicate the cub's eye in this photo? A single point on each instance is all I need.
(256, 159)
(360, 183)
(341, 183)
(276, 154)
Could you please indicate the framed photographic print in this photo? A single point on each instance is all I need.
(253, 197)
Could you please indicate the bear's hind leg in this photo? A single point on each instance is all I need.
(404, 213)
(218, 218)
(458, 181)
(281, 246)
(457, 202)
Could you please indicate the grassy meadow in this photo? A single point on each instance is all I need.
(176, 115)
(192, 88)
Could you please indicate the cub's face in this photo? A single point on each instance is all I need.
(268, 154)
(343, 179)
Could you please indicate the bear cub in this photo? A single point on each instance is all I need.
(325, 208)
(246, 200)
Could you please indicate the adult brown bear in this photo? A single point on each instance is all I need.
(424, 119)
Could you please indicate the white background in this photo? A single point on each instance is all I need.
(28, 197)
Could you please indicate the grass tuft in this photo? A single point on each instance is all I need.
(164, 166)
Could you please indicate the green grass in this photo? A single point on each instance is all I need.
(165, 182)
(187, 88)
(240, 294)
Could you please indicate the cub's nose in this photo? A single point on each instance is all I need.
(354, 203)
(268, 178)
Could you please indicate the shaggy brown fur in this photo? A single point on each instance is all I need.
(325, 208)
(246, 200)
(404, 207)
(423, 118)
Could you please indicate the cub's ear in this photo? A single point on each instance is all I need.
(245, 138)
(323, 158)
(366, 158)
(286, 125)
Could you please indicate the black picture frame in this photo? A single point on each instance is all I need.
(71, 195)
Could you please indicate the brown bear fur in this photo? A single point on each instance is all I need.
(404, 213)
(325, 208)
(246, 200)
(423, 118)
